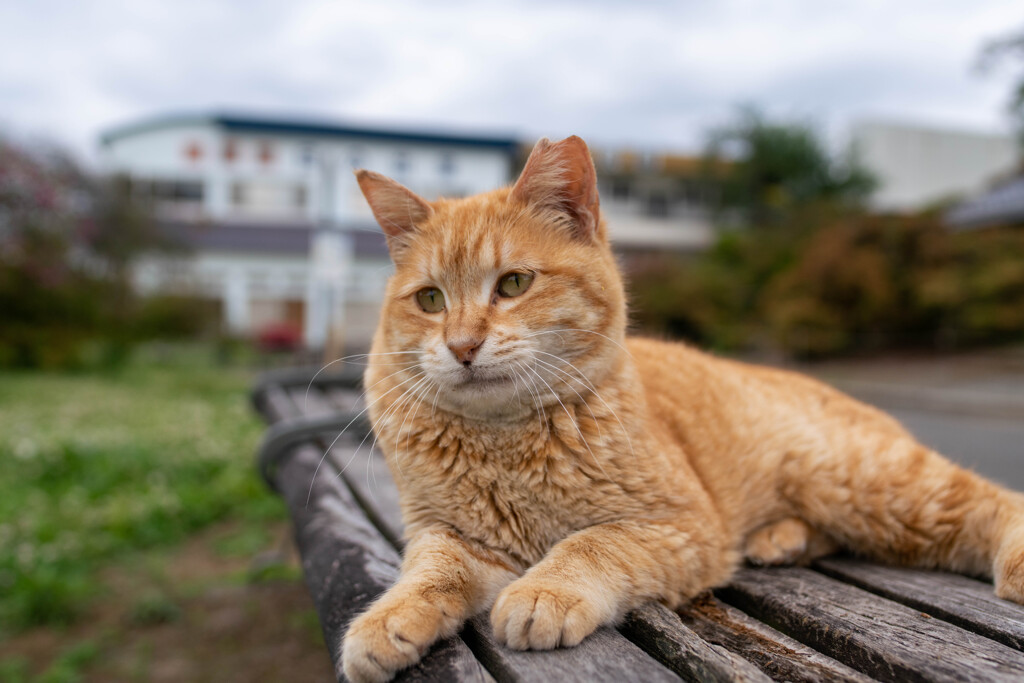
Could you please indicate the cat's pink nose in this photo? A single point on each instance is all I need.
(465, 349)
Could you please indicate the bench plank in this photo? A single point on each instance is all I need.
(881, 638)
(603, 657)
(660, 632)
(960, 600)
(368, 476)
(774, 653)
(347, 564)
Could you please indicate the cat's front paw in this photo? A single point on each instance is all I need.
(391, 636)
(538, 615)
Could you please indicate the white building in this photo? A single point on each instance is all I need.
(917, 166)
(279, 233)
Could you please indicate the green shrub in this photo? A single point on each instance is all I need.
(846, 284)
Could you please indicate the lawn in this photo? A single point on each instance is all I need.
(105, 475)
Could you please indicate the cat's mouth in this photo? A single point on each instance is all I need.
(478, 381)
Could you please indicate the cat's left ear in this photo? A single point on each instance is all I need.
(397, 209)
(560, 177)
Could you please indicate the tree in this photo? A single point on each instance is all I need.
(67, 242)
(1009, 48)
(777, 168)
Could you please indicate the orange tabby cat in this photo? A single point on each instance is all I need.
(559, 474)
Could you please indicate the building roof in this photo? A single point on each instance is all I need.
(263, 238)
(304, 127)
(1002, 205)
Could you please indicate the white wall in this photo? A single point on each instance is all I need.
(238, 279)
(160, 154)
(916, 166)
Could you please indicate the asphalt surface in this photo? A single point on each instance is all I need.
(993, 447)
(969, 407)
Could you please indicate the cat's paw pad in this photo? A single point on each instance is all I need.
(1009, 571)
(386, 640)
(783, 542)
(542, 617)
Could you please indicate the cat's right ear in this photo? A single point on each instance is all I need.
(397, 209)
(559, 177)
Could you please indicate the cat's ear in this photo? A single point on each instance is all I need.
(397, 209)
(560, 176)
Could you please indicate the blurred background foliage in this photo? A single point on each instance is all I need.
(800, 265)
(68, 241)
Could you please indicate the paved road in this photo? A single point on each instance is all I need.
(993, 447)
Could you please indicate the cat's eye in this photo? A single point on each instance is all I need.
(430, 299)
(514, 284)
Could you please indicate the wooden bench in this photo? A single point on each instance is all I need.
(841, 619)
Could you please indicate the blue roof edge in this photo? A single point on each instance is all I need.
(310, 128)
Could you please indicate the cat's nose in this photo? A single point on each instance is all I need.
(465, 348)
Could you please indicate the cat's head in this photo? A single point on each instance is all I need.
(503, 301)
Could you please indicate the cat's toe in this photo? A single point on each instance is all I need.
(1009, 570)
(383, 641)
(542, 618)
(784, 542)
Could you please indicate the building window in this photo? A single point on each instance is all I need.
(620, 189)
(357, 157)
(447, 165)
(178, 191)
(230, 150)
(306, 154)
(657, 205)
(401, 163)
(257, 197)
(193, 151)
(238, 194)
(299, 196)
(266, 153)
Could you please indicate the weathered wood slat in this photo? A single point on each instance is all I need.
(276, 404)
(310, 402)
(603, 657)
(370, 480)
(960, 600)
(347, 563)
(878, 637)
(660, 632)
(344, 399)
(774, 653)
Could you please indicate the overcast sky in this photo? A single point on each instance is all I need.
(646, 73)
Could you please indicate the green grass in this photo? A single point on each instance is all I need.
(96, 466)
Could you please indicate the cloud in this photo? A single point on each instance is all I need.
(647, 73)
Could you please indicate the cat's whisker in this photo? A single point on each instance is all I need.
(391, 412)
(312, 379)
(373, 430)
(350, 423)
(408, 435)
(597, 423)
(574, 423)
(534, 392)
(437, 395)
(515, 384)
(590, 385)
(416, 399)
(576, 329)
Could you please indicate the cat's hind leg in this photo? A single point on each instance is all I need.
(787, 541)
(1009, 566)
(888, 497)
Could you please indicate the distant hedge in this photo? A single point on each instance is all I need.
(842, 284)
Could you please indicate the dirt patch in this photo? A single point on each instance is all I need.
(203, 612)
